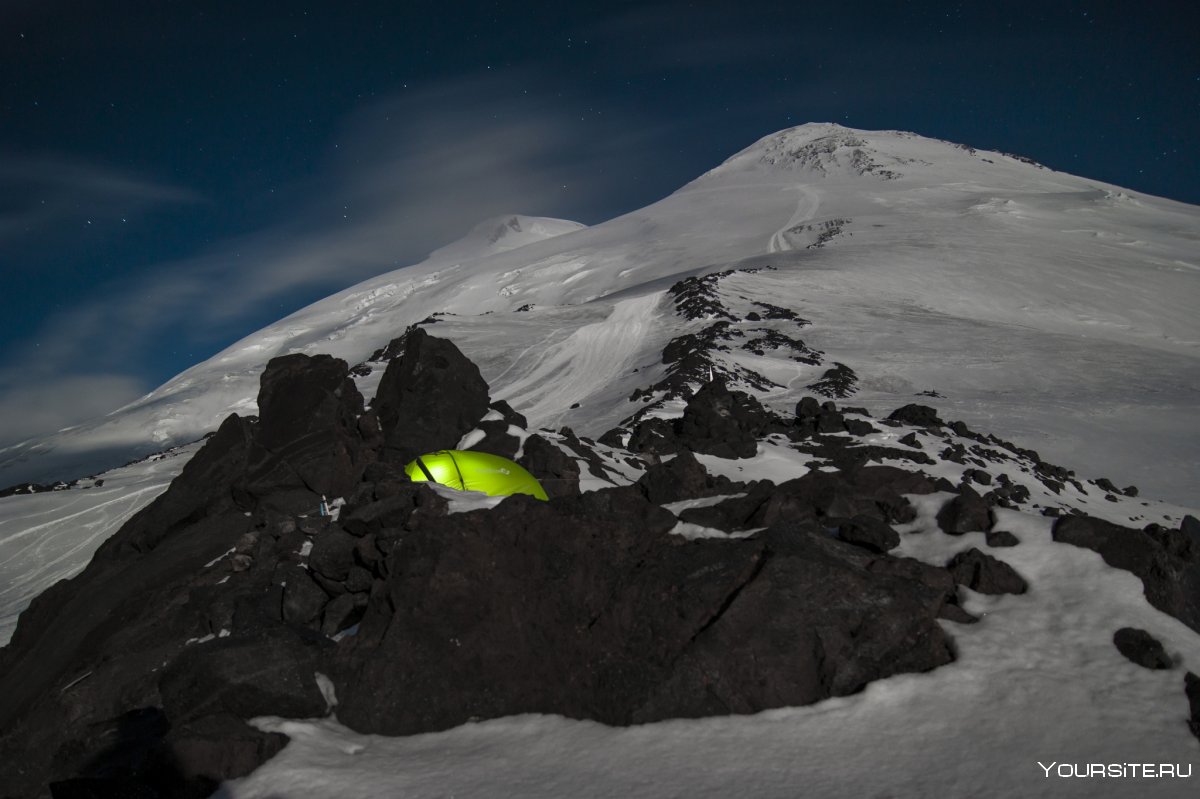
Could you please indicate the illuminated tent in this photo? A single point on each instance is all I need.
(474, 471)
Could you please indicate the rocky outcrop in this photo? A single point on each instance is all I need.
(716, 421)
(307, 442)
(229, 597)
(1167, 561)
(647, 625)
(428, 398)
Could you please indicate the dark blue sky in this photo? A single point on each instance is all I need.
(174, 175)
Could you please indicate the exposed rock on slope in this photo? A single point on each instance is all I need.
(229, 597)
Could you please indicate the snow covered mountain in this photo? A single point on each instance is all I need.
(874, 268)
(1058, 310)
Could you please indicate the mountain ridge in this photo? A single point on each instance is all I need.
(949, 237)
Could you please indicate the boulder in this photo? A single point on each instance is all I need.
(332, 554)
(869, 533)
(428, 398)
(1191, 685)
(1002, 538)
(966, 513)
(682, 477)
(653, 437)
(307, 440)
(557, 471)
(1141, 648)
(917, 416)
(985, 574)
(717, 421)
(303, 600)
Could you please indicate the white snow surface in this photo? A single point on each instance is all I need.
(50, 536)
(1037, 679)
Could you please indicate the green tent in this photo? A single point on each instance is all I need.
(474, 471)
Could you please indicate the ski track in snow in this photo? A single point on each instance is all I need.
(51, 536)
(807, 204)
(584, 363)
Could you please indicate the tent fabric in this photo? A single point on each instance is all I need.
(467, 470)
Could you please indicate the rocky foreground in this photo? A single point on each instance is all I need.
(229, 597)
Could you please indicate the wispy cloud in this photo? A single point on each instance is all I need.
(408, 174)
(42, 191)
(30, 408)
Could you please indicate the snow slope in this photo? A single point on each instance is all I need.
(1036, 680)
(1052, 310)
(51, 536)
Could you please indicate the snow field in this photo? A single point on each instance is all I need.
(1037, 679)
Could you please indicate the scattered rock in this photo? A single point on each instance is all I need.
(1002, 538)
(977, 476)
(1167, 561)
(917, 416)
(682, 477)
(557, 471)
(1142, 648)
(303, 599)
(869, 533)
(838, 383)
(985, 574)
(966, 513)
(1192, 688)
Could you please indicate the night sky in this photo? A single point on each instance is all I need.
(174, 175)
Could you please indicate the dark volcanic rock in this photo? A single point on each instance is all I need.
(916, 415)
(428, 398)
(557, 471)
(985, 574)
(816, 417)
(872, 534)
(208, 608)
(1190, 527)
(303, 600)
(653, 437)
(966, 513)
(307, 440)
(1191, 685)
(220, 747)
(270, 673)
(1167, 561)
(1142, 648)
(682, 477)
(838, 383)
(593, 587)
(1002, 538)
(203, 488)
(332, 553)
(721, 422)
